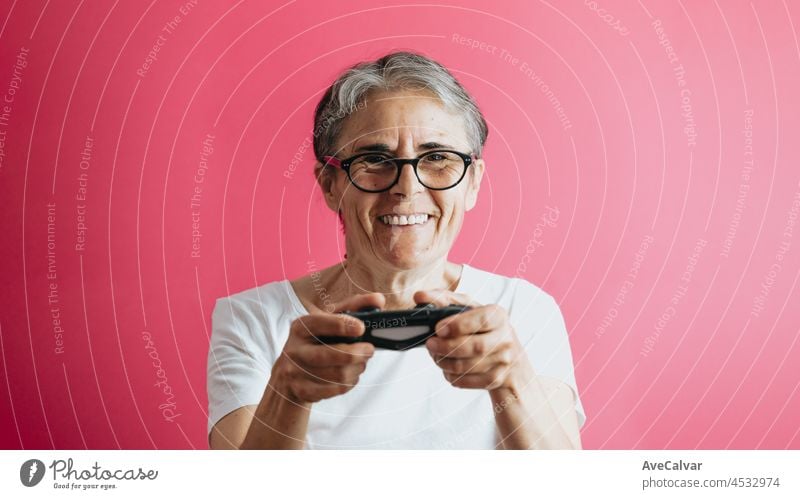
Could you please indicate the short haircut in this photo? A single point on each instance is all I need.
(394, 71)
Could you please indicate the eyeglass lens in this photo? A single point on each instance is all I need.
(436, 170)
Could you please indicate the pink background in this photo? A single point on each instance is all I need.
(690, 352)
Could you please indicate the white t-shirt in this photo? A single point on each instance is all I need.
(402, 400)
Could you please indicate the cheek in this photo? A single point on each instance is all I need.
(355, 209)
(452, 209)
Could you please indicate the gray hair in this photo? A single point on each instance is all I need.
(394, 71)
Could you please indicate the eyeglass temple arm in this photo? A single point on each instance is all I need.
(332, 160)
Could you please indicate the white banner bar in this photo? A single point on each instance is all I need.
(406, 474)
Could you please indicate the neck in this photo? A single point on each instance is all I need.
(398, 286)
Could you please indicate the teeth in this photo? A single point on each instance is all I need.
(404, 219)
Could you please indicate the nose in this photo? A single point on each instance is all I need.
(408, 184)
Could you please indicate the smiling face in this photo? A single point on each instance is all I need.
(409, 225)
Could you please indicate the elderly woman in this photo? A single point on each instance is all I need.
(398, 143)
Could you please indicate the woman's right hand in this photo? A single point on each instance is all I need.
(308, 371)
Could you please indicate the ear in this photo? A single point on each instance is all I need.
(326, 178)
(474, 183)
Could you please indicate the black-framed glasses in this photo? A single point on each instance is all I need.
(378, 172)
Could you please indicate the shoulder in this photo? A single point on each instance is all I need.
(253, 323)
(268, 294)
(255, 307)
(505, 288)
(525, 302)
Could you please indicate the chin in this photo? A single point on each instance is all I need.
(406, 260)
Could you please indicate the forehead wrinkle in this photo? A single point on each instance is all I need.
(438, 139)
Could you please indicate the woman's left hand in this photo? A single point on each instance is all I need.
(477, 348)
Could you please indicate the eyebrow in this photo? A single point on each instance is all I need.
(377, 147)
(434, 145)
(381, 147)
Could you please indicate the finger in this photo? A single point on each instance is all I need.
(488, 380)
(318, 355)
(315, 325)
(346, 374)
(474, 345)
(473, 365)
(357, 302)
(309, 391)
(477, 320)
(444, 297)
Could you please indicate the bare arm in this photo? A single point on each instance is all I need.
(275, 423)
(280, 422)
(478, 349)
(535, 412)
(305, 372)
(229, 432)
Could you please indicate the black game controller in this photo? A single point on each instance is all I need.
(397, 329)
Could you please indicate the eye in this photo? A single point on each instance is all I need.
(374, 158)
(435, 157)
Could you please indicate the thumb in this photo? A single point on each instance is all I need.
(354, 303)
